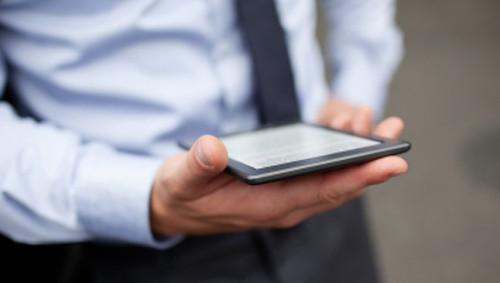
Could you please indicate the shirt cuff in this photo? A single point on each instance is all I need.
(112, 192)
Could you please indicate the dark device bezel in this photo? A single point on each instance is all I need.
(338, 160)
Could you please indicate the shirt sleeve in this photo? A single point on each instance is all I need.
(364, 47)
(55, 187)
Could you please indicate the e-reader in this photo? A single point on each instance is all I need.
(273, 153)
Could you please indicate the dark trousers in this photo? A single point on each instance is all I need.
(330, 247)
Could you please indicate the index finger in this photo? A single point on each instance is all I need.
(389, 128)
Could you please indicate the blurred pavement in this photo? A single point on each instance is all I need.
(440, 222)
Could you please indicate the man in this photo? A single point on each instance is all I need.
(109, 87)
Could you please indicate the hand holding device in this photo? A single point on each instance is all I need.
(289, 150)
(192, 194)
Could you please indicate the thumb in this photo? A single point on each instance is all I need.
(206, 159)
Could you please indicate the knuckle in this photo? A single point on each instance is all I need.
(174, 190)
(329, 196)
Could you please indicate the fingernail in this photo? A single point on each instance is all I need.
(203, 156)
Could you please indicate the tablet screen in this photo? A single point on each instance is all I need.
(275, 146)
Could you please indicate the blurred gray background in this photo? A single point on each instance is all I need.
(440, 221)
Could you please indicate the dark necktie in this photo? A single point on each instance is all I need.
(275, 88)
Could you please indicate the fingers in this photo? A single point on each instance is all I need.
(351, 179)
(334, 189)
(351, 118)
(361, 122)
(338, 187)
(236, 207)
(341, 121)
(336, 114)
(197, 198)
(297, 216)
(345, 185)
(389, 128)
(331, 189)
(344, 116)
(193, 170)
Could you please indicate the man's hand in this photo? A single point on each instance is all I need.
(192, 195)
(340, 115)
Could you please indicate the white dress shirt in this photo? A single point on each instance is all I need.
(109, 86)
